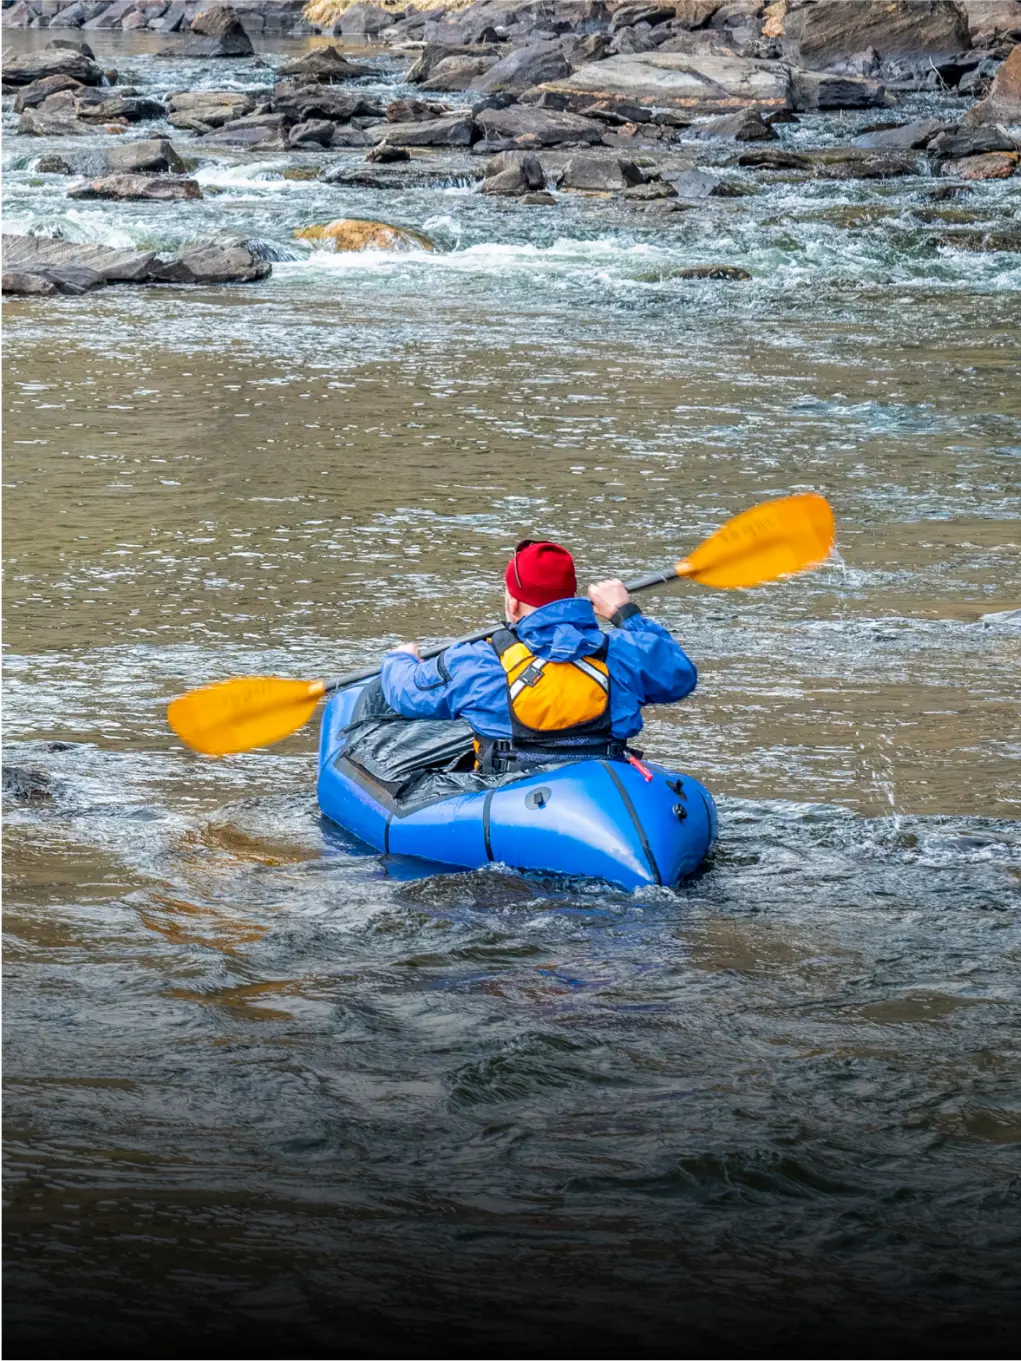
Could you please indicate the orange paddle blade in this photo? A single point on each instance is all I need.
(774, 539)
(236, 715)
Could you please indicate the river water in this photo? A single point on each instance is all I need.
(268, 1092)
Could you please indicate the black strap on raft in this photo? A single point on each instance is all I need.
(501, 755)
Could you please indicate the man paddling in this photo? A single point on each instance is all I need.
(551, 686)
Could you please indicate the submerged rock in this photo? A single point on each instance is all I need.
(353, 234)
(162, 188)
(773, 158)
(713, 272)
(22, 783)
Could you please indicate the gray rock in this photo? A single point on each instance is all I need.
(457, 73)
(51, 61)
(27, 285)
(212, 263)
(770, 158)
(695, 83)
(30, 96)
(52, 165)
(73, 16)
(592, 172)
(829, 36)
(512, 174)
(747, 125)
(628, 15)
(350, 136)
(454, 130)
(431, 56)
(316, 132)
(712, 272)
(213, 108)
(543, 127)
(655, 189)
(37, 123)
(326, 65)
(161, 188)
(955, 143)
(695, 185)
(155, 155)
(812, 90)
(902, 137)
(520, 70)
(111, 16)
(304, 102)
(364, 21)
(171, 20)
(219, 33)
(414, 111)
(867, 167)
(120, 106)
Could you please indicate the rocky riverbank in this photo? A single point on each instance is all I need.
(648, 105)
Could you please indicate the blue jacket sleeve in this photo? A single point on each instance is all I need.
(417, 689)
(657, 668)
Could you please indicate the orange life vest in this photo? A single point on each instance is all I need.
(558, 710)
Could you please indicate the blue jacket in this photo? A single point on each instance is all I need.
(468, 680)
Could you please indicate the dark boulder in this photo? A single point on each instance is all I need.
(911, 136)
(123, 106)
(832, 35)
(212, 263)
(433, 54)
(733, 272)
(543, 127)
(317, 132)
(220, 33)
(454, 130)
(457, 73)
(747, 125)
(812, 90)
(53, 165)
(38, 123)
(160, 188)
(513, 173)
(520, 70)
(29, 96)
(27, 285)
(414, 111)
(51, 61)
(593, 172)
(865, 167)
(303, 102)
(956, 143)
(155, 155)
(325, 65)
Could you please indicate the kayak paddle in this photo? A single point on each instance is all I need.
(771, 540)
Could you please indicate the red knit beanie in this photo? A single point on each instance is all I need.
(540, 573)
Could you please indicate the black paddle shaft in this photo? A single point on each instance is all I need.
(354, 677)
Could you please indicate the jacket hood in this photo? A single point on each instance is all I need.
(562, 631)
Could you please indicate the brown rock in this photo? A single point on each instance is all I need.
(387, 155)
(325, 65)
(991, 21)
(456, 73)
(351, 234)
(51, 61)
(545, 127)
(30, 96)
(1003, 103)
(414, 111)
(36, 123)
(28, 285)
(161, 188)
(994, 165)
(154, 154)
(456, 130)
(822, 36)
(220, 34)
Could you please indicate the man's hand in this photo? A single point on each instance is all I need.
(411, 649)
(608, 596)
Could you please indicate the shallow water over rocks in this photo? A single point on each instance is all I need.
(267, 1090)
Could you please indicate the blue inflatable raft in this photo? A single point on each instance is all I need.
(598, 818)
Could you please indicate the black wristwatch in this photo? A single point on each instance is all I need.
(625, 612)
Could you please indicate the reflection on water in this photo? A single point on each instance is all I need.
(267, 1093)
